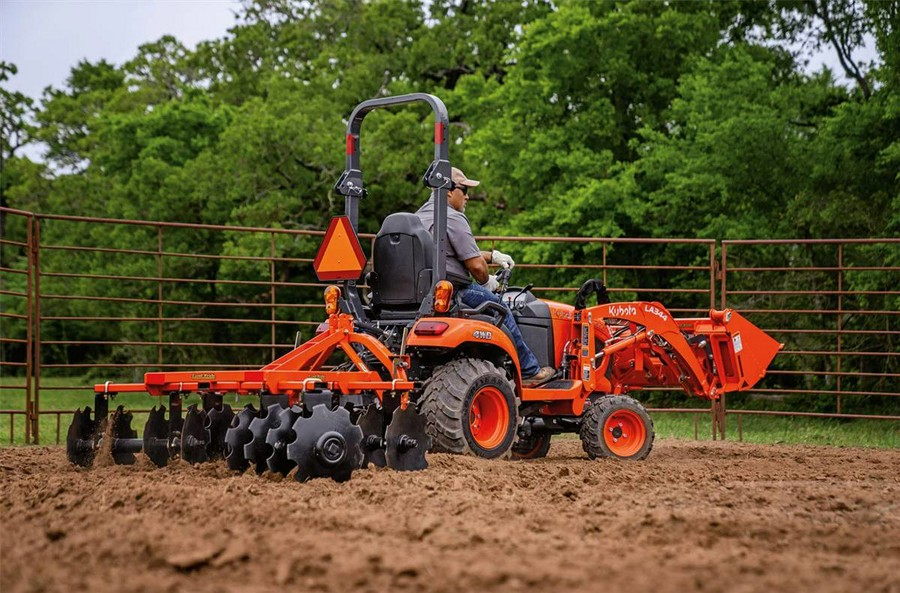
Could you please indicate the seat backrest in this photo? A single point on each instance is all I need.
(403, 257)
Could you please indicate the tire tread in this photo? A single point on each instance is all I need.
(443, 399)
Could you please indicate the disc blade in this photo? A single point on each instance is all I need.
(237, 436)
(371, 422)
(217, 423)
(327, 445)
(121, 429)
(80, 439)
(257, 450)
(156, 436)
(279, 437)
(407, 440)
(195, 437)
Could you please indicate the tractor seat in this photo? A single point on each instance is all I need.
(401, 276)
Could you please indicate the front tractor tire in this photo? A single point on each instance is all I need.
(470, 408)
(617, 426)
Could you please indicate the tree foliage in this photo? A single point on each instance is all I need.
(582, 118)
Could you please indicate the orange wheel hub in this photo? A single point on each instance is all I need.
(624, 432)
(489, 417)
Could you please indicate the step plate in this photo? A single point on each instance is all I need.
(557, 384)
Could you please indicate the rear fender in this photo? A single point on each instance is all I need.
(465, 332)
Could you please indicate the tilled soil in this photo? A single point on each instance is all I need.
(693, 517)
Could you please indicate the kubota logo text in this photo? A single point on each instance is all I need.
(655, 311)
(622, 310)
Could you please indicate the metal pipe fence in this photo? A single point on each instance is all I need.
(79, 309)
(835, 303)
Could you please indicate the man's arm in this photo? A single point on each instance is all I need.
(477, 266)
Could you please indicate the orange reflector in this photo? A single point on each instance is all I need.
(430, 328)
(443, 290)
(340, 256)
(332, 294)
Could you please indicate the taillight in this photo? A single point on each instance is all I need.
(443, 292)
(430, 328)
(332, 294)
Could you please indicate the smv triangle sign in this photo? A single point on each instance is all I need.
(340, 256)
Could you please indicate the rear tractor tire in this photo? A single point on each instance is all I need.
(617, 426)
(470, 408)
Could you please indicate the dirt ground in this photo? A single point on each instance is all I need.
(693, 517)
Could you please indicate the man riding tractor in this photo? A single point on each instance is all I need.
(464, 258)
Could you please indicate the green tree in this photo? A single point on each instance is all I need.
(67, 117)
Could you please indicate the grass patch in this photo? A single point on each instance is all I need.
(786, 430)
(62, 393)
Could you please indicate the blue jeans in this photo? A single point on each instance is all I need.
(476, 294)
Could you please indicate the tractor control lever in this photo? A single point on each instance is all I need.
(515, 300)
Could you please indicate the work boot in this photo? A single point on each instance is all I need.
(539, 377)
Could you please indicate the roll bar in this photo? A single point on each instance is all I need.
(437, 176)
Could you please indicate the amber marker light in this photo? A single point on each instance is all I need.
(332, 294)
(443, 291)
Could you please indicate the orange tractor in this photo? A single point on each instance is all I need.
(413, 370)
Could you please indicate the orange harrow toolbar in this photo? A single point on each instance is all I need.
(297, 371)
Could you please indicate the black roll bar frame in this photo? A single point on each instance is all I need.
(438, 177)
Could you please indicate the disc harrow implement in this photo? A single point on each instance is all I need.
(310, 422)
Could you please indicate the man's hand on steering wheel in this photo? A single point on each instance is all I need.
(492, 284)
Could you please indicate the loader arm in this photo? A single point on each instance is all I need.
(705, 356)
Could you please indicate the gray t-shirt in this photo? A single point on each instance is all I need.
(460, 241)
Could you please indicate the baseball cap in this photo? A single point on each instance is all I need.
(459, 178)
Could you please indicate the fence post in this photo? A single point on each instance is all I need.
(159, 296)
(840, 321)
(29, 321)
(721, 417)
(605, 283)
(723, 271)
(272, 289)
(712, 274)
(719, 405)
(36, 336)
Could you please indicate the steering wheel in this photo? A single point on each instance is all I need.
(503, 280)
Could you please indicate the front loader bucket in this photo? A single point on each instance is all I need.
(745, 354)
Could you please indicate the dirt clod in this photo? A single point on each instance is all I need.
(194, 557)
